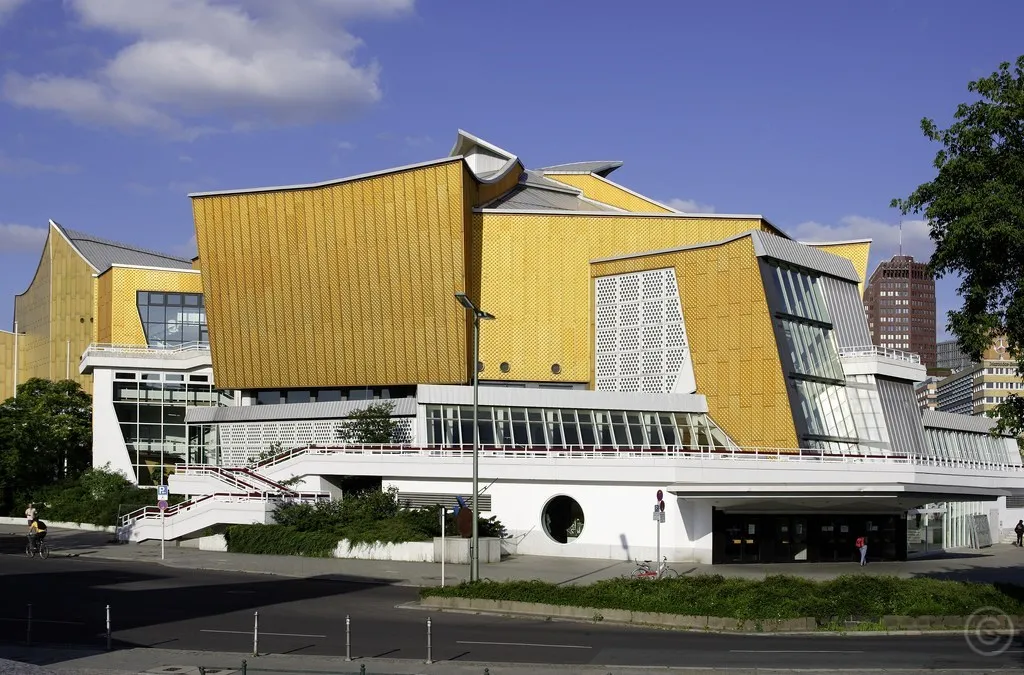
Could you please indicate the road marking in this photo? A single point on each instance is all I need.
(24, 619)
(795, 651)
(521, 644)
(249, 632)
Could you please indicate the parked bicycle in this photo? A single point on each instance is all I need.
(37, 546)
(643, 570)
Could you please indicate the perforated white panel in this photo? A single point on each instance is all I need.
(243, 441)
(640, 336)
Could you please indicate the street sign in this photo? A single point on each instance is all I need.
(661, 506)
(162, 504)
(659, 515)
(163, 492)
(659, 497)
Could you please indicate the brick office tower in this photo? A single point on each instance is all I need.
(900, 302)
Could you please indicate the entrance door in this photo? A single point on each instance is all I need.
(742, 542)
(790, 538)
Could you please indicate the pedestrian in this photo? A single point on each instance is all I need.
(30, 513)
(862, 546)
(1019, 530)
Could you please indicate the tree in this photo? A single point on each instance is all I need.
(371, 425)
(975, 206)
(45, 435)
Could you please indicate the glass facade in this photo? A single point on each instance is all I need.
(808, 343)
(173, 319)
(278, 396)
(572, 428)
(963, 446)
(150, 408)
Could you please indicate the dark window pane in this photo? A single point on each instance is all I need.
(328, 395)
(174, 299)
(192, 300)
(149, 414)
(174, 414)
(126, 412)
(198, 378)
(174, 377)
(297, 396)
(268, 397)
(156, 299)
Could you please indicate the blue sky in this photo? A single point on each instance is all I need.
(111, 111)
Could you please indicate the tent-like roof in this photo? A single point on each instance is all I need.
(103, 253)
(602, 169)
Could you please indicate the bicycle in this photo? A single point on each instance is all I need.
(35, 546)
(643, 570)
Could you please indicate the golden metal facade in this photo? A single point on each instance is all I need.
(597, 188)
(535, 278)
(345, 284)
(32, 314)
(856, 252)
(118, 320)
(7, 384)
(735, 356)
(488, 191)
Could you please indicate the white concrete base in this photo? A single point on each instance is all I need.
(456, 550)
(216, 542)
(411, 551)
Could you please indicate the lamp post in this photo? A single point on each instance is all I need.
(474, 566)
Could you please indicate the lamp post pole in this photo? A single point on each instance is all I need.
(474, 558)
(474, 571)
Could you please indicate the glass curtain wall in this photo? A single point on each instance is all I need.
(961, 446)
(808, 343)
(150, 408)
(173, 319)
(449, 426)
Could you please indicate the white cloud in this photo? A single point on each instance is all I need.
(885, 236)
(21, 166)
(689, 206)
(7, 8)
(21, 238)
(346, 145)
(260, 63)
(187, 250)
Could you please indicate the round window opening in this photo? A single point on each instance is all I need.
(563, 519)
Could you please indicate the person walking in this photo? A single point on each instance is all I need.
(30, 514)
(862, 546)
(1019, 531)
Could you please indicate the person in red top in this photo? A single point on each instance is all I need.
(862, 546)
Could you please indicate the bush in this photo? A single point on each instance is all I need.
(279, 540)
(857, 597)
(99, 496)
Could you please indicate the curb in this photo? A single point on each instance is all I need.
(807, 626)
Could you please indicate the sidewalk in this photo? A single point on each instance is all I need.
(151, 661)
(1002, 563)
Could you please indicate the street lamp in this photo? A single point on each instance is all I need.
(474, 568)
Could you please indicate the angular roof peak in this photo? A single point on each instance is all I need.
(600, 168)
(488, 162)
(102, 254)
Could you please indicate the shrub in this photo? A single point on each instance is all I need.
(279, 540)
(99, 496)
(778, 597)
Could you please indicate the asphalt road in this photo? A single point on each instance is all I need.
(174, 608)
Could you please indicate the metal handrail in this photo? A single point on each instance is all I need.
(146, 350)
(189, 504)
(682, 453)
(240, 477)
(875, 350)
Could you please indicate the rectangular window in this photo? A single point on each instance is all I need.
(519, 433)
(271, 397)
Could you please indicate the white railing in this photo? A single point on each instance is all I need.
(147, 512)
(183, 350)
(738, 454)
(243, 478)
(875, 350)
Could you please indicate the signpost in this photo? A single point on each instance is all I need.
(659, 518)
(162, 493)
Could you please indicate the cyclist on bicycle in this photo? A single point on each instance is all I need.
(37, 532)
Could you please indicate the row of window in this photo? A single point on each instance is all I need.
(966, 447)
(1008, 386)
(567, 428)
(277, 396)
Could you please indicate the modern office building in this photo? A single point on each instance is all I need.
(900, 303)
(948, 356)
(633, 349)
(927, 393)
(979, 387)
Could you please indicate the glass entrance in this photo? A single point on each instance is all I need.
(742, 543)
(790, 538)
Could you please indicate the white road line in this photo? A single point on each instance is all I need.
(795, 651)
(249, 632)
(521, 644)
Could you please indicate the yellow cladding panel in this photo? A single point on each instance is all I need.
(605, 191)
(119, 321)
(346, 284)
(6, 365)
(195, 263)
(488, 191)
(735, 357)
(71, 315)
(856, 252)
(536, 280)
(32, 314)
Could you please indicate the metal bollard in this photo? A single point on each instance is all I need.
(348, 639)
(108, 628)
(245, 666)
(362, 669)
(429, 660)
(202, 670)
(256, 634)
(28, 633)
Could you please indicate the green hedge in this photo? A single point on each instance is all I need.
(858, 597)
(279, 540)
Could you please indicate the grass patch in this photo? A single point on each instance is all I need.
(858, 597)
